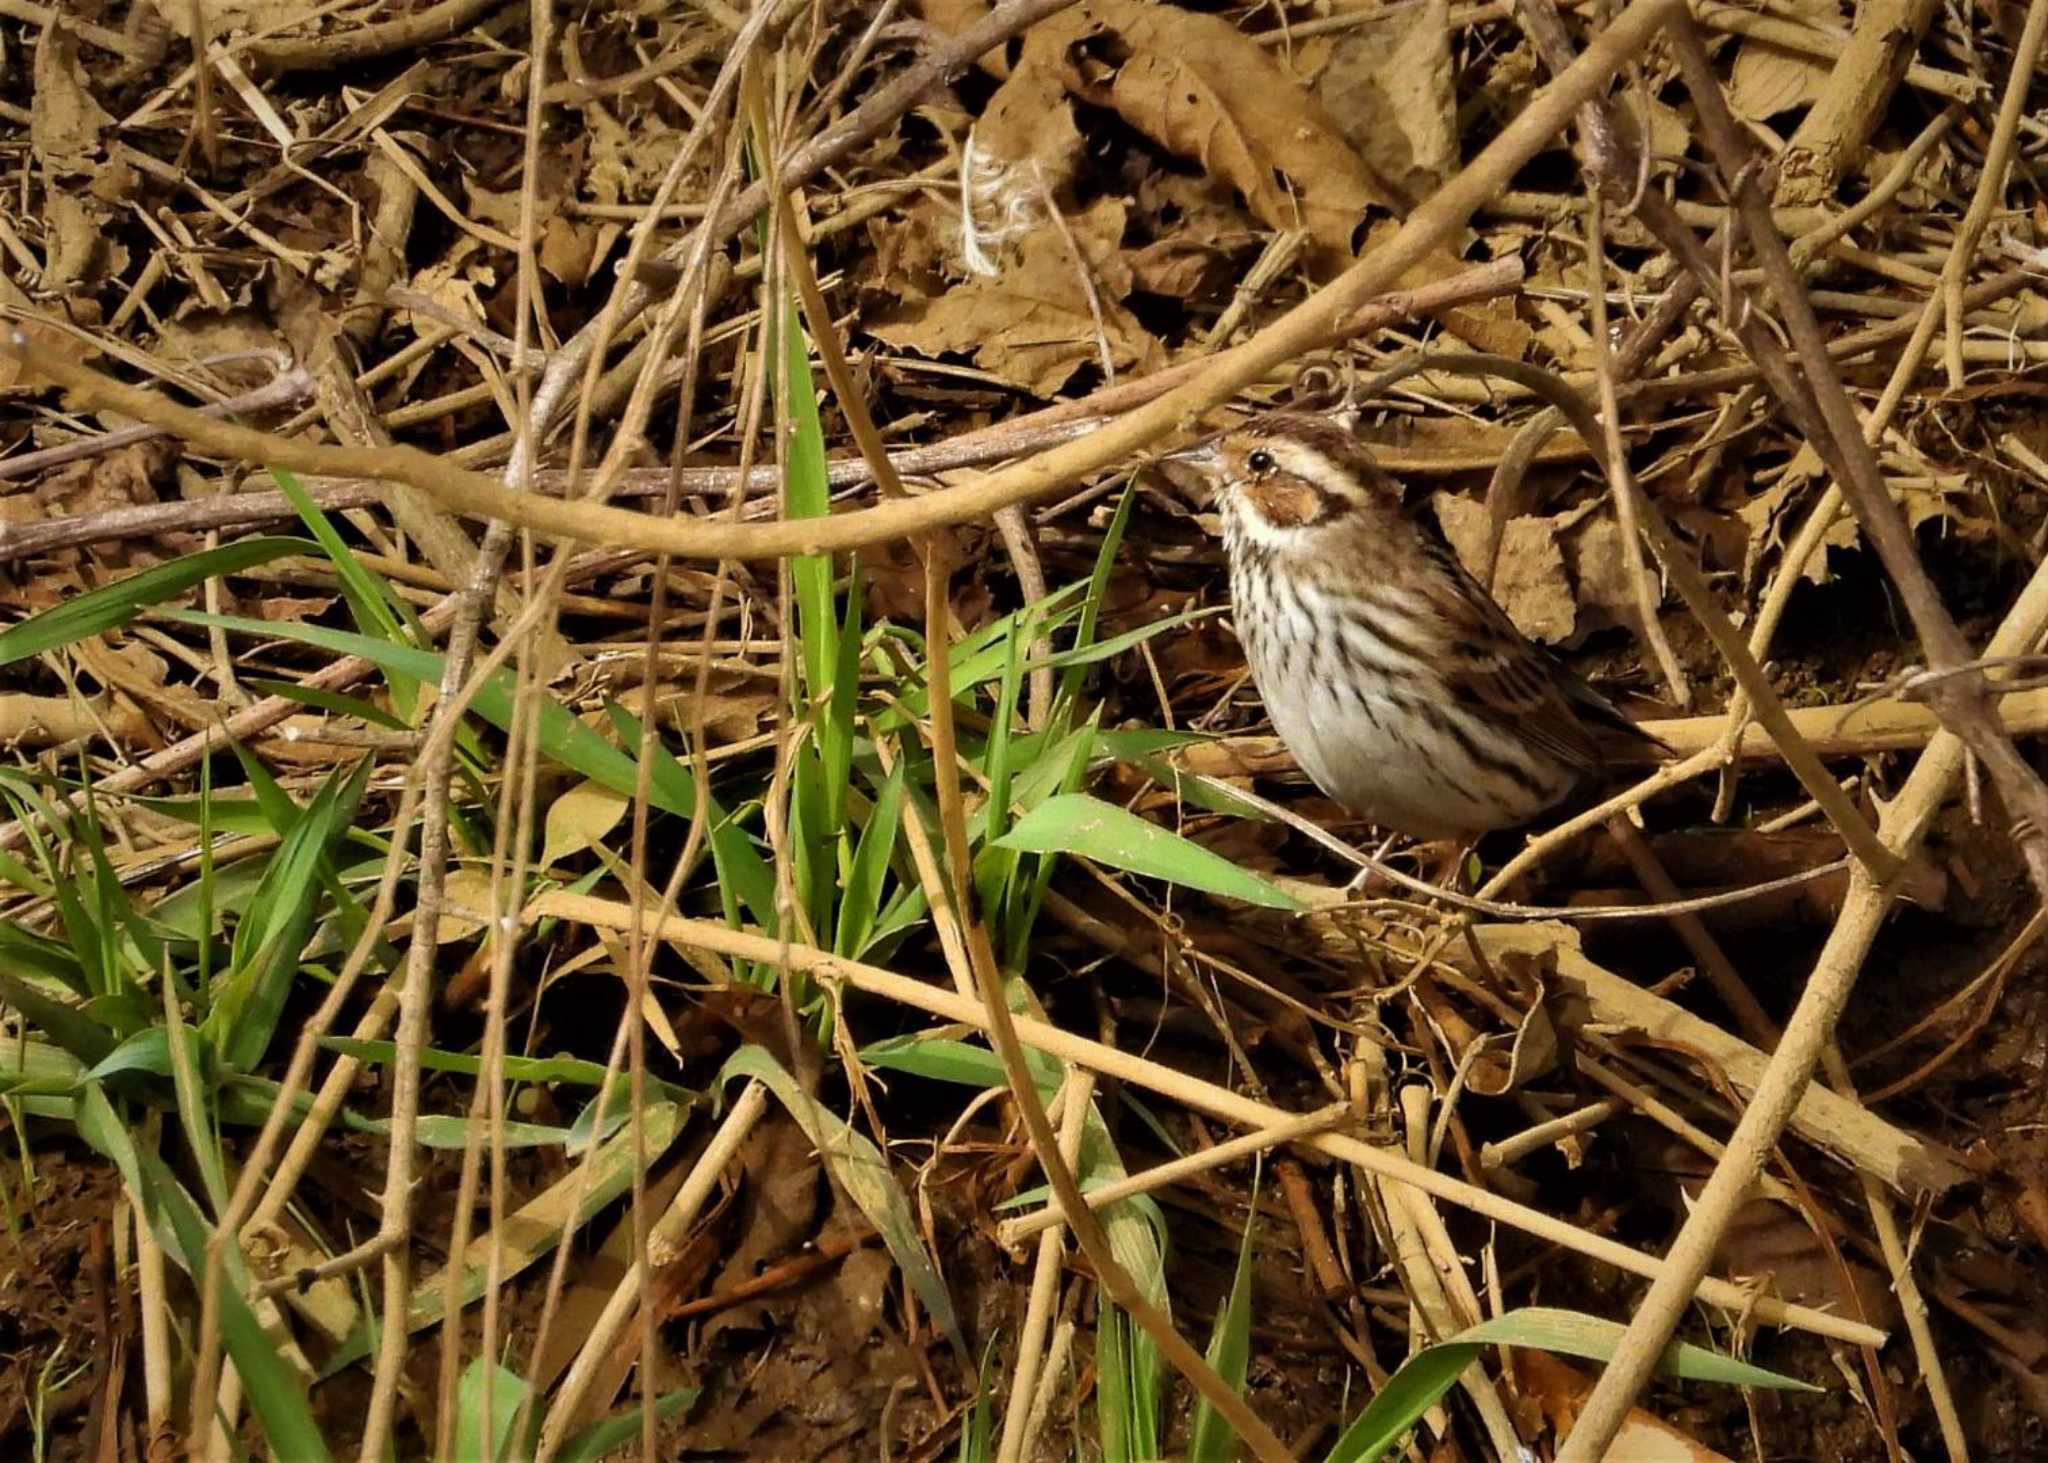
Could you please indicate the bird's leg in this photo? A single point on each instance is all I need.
(1438, 862)
(1363, 879)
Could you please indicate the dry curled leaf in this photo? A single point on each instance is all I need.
(1775, 514)
(1204, 90)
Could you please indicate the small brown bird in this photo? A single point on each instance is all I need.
(1392, 676)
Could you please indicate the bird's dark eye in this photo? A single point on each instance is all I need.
(1260, 461)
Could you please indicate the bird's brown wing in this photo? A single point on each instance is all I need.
(1497, 671)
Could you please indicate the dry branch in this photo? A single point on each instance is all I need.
(1204, 1096)
(1962, 700)
(1308, 325)
(1786, 1077)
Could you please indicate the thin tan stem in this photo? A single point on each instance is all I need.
(1791, 1066)
(1308, 324)
(1193, 1092)
(1259, 1140)
(1642, 583)
(1963, 701)
(1078, 1094)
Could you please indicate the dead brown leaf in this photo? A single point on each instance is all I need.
(1769, 79)
(1028, 124)
(1605, 578)
(135, 673)
(1032, 326)
(1529, 580)
(1203, 247)
(1561, 1389)
(77, 246)
(1388, 88)
(1204, 90)
(67, 120)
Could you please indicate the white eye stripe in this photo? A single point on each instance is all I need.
(1311, 466)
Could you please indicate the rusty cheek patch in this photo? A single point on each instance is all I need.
(1285, 502)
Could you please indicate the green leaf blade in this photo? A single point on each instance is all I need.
(1077, 823)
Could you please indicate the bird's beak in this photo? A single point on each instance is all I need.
(1203, 456)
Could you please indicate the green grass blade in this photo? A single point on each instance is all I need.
(530, 1233)
(1063, 770)
(196, 1110)
(276, 805)
(564, 738)
(814, 850)
(742, 872)
(995, 866)
(113, 605)
(1212, 1440)
(370, 600)
(335, 703)
(864, 1174)
(1426, 1376)
(1126, 1389)
(30, 1068)
(860, 900)
(65, 1024)
(1076, 823)
(600, 1438)
(21, 876)
(977, 1429)
(836, 731)
(1091, 602)
(272, 935)
(1129, 744)
(807, 493)
(573, 1070)
(818, 792)
(129, 947)
(943, 1059)
(999, 769)
(979, 657)
(1594, 1338)
(27, 953)
(478, 1436)
(1081, 656)
(276, 1394)
(146, 1051)
(82, 930)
